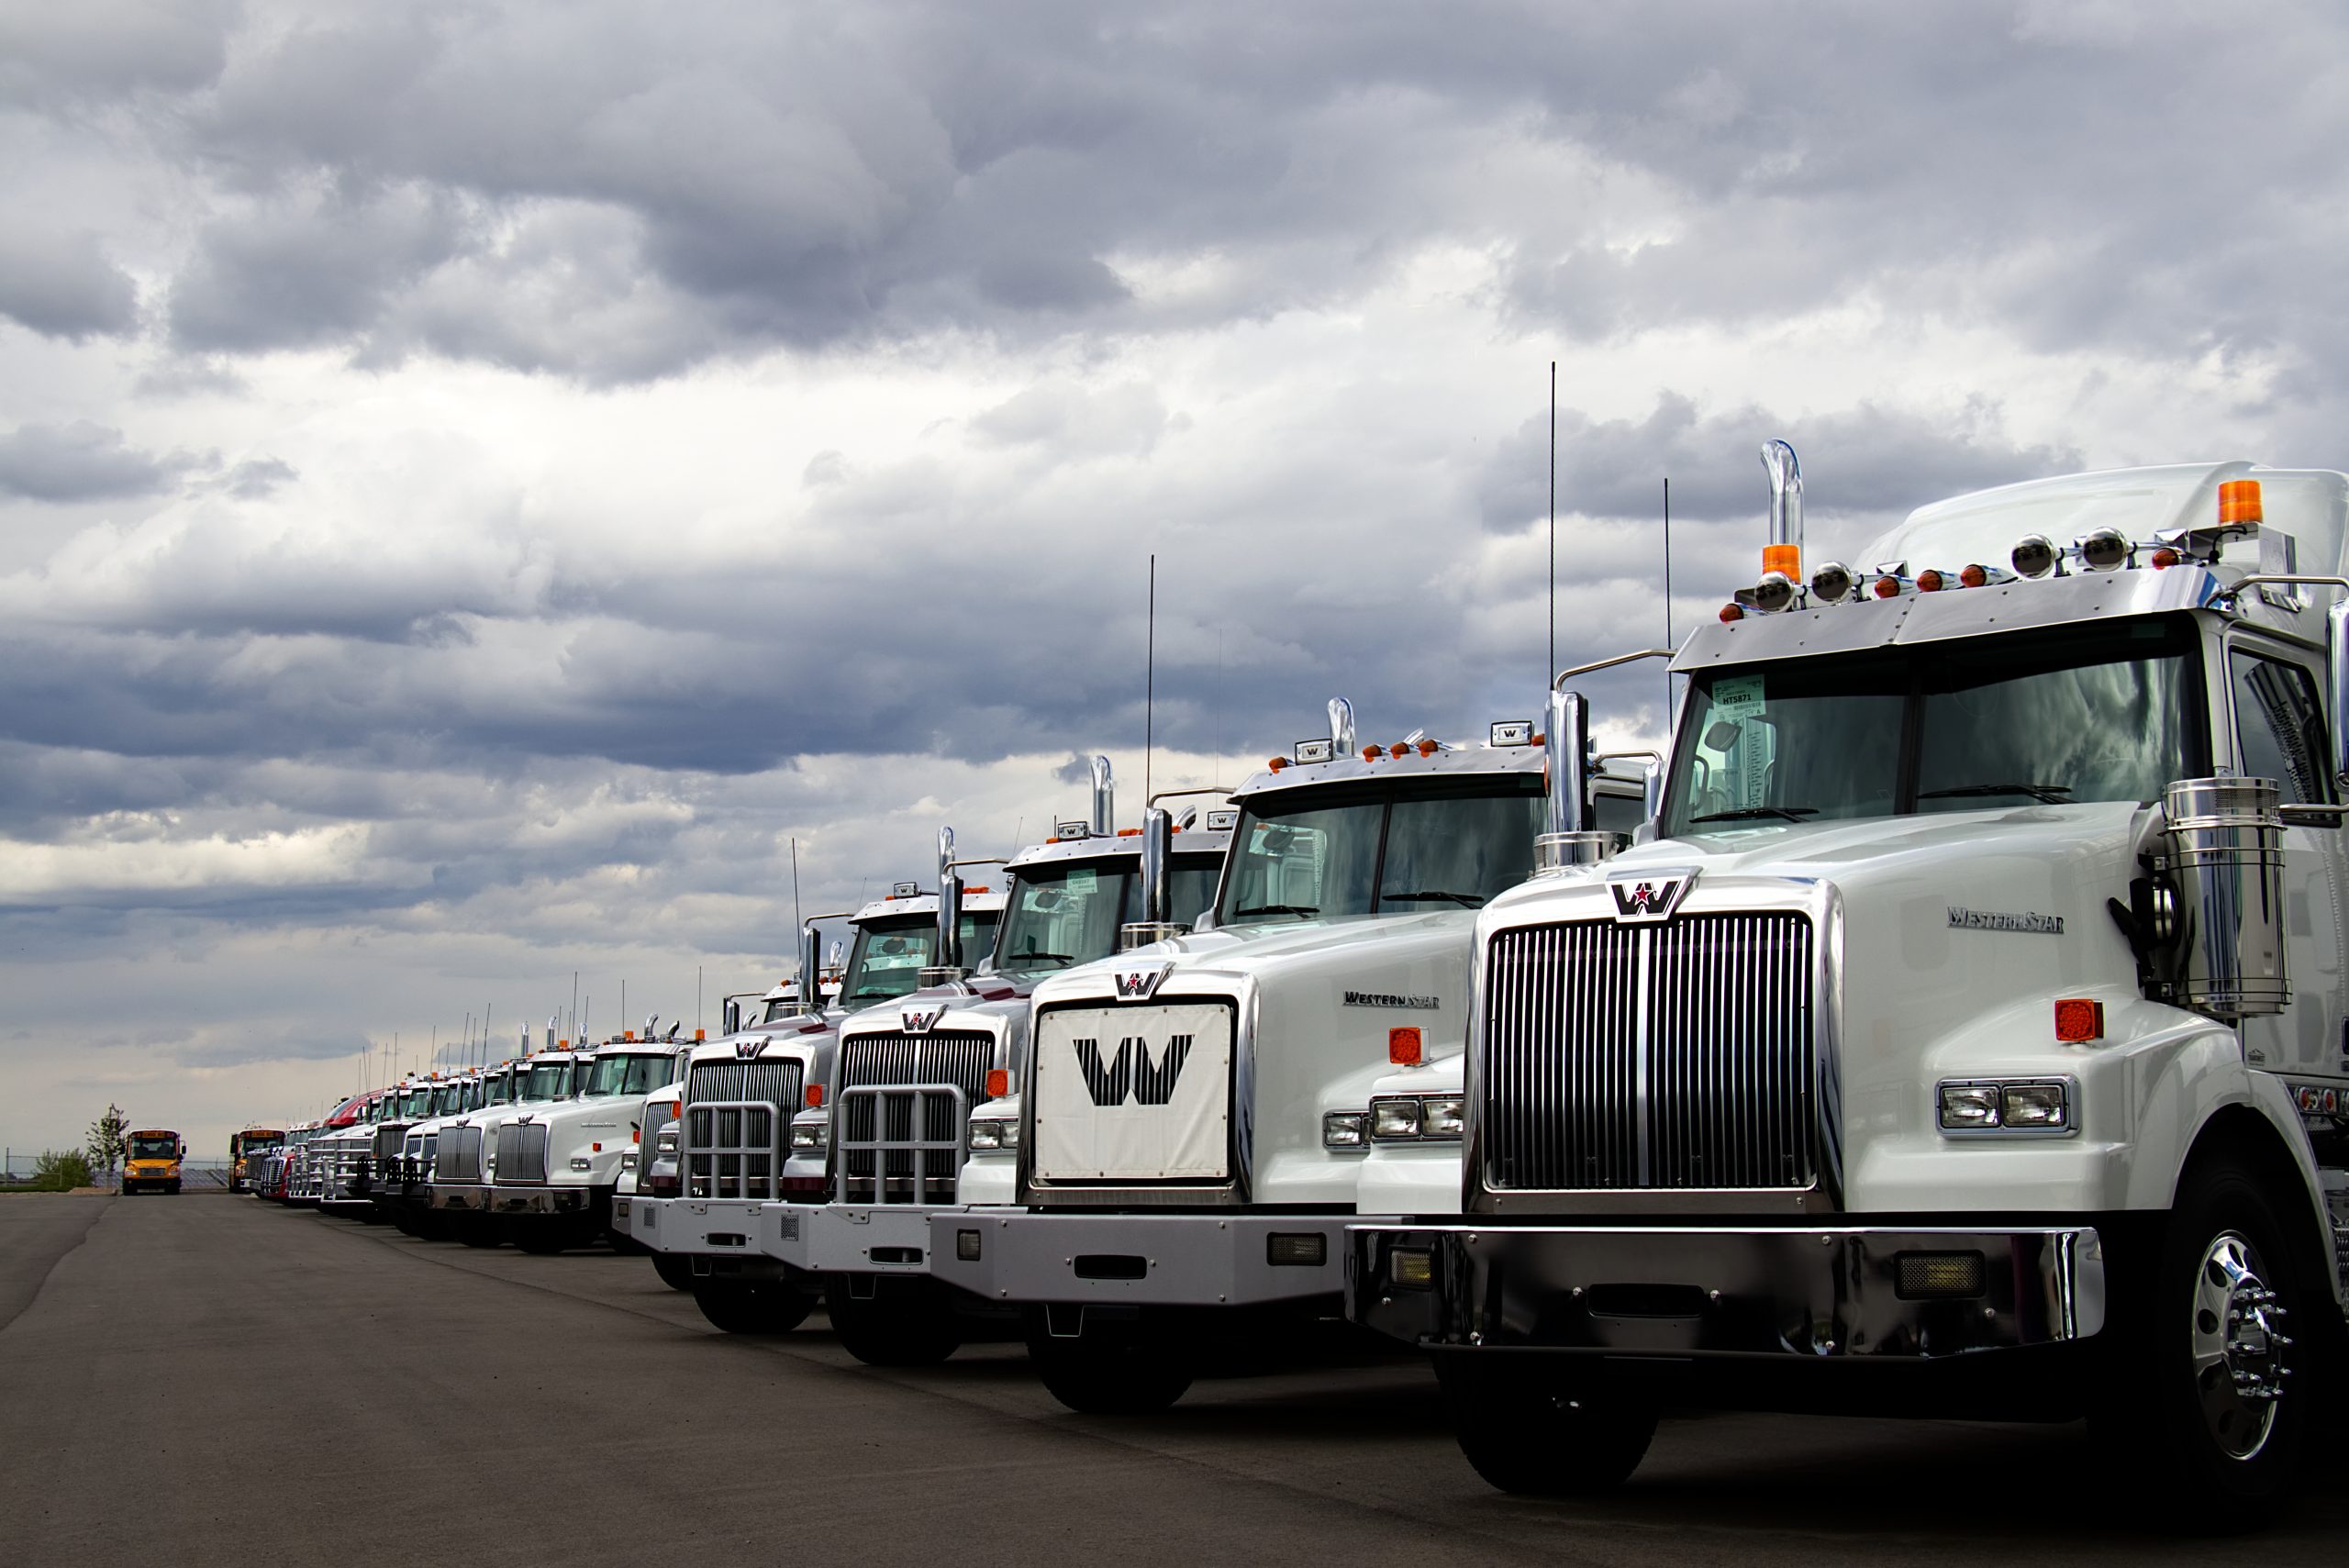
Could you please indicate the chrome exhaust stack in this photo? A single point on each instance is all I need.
(1785, 500)
(1157, 845)
(949, 966)
(1341, 727)
(1566, 839)
(1105, 799)
(811, 968)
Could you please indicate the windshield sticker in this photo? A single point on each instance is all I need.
(1737, 697)
(1082, 879)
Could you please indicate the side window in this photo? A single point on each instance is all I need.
(2279, 727)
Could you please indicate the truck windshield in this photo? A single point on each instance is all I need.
(626, 1075)
(887, 959)
(546, 1081)
(2079, 713)
(1417, 844)
(1066, 913)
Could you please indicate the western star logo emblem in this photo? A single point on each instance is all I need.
(922, 1020)
(1390, 999)
(1139, 984)
(746, 1049)
(1151, 1084)
(1963, 919)
(1650, 896)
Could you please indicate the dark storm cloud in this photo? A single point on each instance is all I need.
(81, 462)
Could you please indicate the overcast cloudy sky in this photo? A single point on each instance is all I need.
(476, 480)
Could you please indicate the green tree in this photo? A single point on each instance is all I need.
(61, 1172)
(106, 1143)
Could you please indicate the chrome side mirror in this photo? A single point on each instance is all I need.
(2336, 644)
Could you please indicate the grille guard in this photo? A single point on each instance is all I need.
(917, 1100)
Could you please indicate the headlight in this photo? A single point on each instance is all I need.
(628, 1159)
(2043, 1105)
(1401, 1119)
(806, 1135)
(990, 1132)
(1394, 1118)
(581, 1163)
(1444, 1116)
(665, 1141)
(1343, 1129)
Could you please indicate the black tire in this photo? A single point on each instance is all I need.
(2182, 1410)
(481, 1231)
(905, 1322)
(1116, 1367)
(543, 1241)
(677, 1273)
(751, 1306)
(174, 1189)
(1536, 1436)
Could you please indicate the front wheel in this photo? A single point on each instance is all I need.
(1536, 1437)
(905, 1322)
(172, 1189)
(2206, 1401)
(751, 1307)
(481, 1231)
(677, 1273)
(1112, 1367)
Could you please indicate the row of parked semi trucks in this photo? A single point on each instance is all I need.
(1956, 1023)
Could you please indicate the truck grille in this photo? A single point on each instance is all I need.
(738, 1116)
(521, 1152)
(1678, 1055)
(874, 1174)
(457, 1156)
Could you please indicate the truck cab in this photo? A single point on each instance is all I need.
(1194, 1117)
(740, 1173)
(151, 1161)
(908, 1077)
(1967, 1036)
(557, 1164)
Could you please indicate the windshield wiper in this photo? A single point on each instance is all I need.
(1277, 909)
(1465, 900)
(2046, 795)
(1747, 813)
(1021, 958)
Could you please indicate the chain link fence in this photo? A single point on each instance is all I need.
(17, 1167)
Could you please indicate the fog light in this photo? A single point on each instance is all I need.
(1290, 1251)
(1930, 1276)
(1343, 1129)
(1442, 1117)
(1395, 1118)
(1968, 1106)
(2035, 1105)
(966, 1246)
(1411, 1268)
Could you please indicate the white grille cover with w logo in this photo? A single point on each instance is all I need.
(1133, 1094)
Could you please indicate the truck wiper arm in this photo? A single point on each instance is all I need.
(1022, 959)
(1277, 909)
(1465, 900)
(1747, 813)
(2046, 795)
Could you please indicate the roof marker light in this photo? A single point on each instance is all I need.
(2034, 555)
(1929, 581)
(1831, 584)
(1428, 748)
(1887, 587)
(1785, 559)
(1278, 763)
(2104, 550)
(1400, 749)
(1370, 753)
(2165, 558)
(1973, 576)
(2238, 502)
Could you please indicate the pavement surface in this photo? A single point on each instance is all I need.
(211, 1379)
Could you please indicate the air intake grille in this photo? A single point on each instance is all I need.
(457, 1156)
(1678, 1055)
(772, 1082)
(521, 1152)
(959, 1058)
(738, 1116)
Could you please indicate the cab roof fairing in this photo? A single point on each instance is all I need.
(925, 904)
(1450, 762)
(1190, 841)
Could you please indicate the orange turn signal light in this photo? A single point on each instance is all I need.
(1276, 764)
(998, 1082)
(1427, 748)
(2165, 557)
(2239, 501)
(1403, 1046)
(1399, 750)
(1785, 558)
(1731, 612)
(2080, 1019)
(1929, 581)
(1370, 753)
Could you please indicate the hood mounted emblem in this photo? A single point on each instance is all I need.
(922, 1020)
(747, 1049)
(1140, 983)
(1649, 896)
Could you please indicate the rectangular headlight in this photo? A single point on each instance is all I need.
(2036, 1105)
(1442, 1116)
(581, 1163)
(1394, 1118)
(2042, 1106)
(1966, 1107)
(1343, 1129)
(806, 1135)
(985, 1135)
(665, 1140)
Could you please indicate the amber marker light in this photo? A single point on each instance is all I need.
(1400, 749)
(2165, 558)
(1427, 748)
(1973, 576)
(998, 1082)
(1403, 1046)
(1370, 753)
(2239, 501)
(1785, 558)
(815, 1096)
(1929, 581)
(1888, 587)
(1731, 613)
(1276, 764)
(2080, 1019)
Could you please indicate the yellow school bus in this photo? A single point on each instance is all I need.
(251, 1145)
(152, 1163)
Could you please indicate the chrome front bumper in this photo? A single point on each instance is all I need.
(548, 1201)
(463, 1197)
(1155, 1259)
(1827, 1292)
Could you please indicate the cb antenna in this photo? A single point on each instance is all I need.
(1550, 671)
(1149, 680)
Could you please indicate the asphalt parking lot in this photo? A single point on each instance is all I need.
(213, 1380)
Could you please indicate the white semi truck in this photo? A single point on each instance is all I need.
(464, 1160)
(1195, 1116)
(1968, 1035)
(555, 1166)
(908, 1076)
(728, 1121)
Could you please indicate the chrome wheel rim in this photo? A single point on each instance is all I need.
(2239, 1344)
